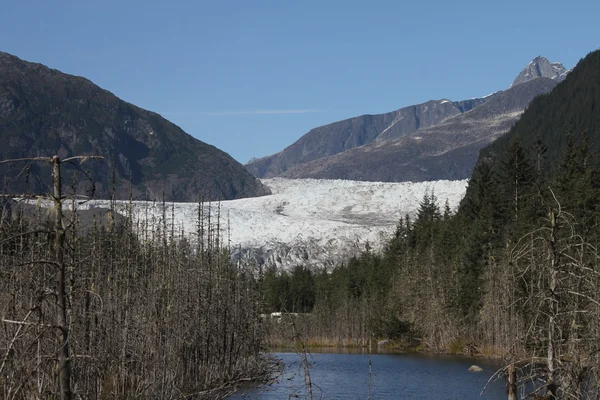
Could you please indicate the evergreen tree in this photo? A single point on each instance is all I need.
(517, 177)
(426, 224)
(302, 290)
(478, 201)
(578, 184)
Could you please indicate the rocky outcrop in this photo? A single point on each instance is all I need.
(44, 112)
(468, 105)
(540, 67)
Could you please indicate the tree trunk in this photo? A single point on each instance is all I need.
(551, 381)
(64, 362)
(512, 382)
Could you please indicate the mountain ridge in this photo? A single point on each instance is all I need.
(569, 110)
(330, 151)
(437, 153)
(44, 112)
(340, 136)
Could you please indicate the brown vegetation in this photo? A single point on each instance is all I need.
(122, 309)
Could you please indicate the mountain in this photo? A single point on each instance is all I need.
(44, 112)
(571, 108)
(448, 150)
(435, 140)
(540, 67)
(341, 136)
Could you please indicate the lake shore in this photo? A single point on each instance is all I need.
(389, 347)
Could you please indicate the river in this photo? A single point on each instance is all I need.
(394, 376)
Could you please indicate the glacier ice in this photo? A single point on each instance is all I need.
(314, 222)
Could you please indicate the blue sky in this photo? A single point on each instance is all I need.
(251, 77)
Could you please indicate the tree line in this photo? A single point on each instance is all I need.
(514, 273)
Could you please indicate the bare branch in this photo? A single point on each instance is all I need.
(82, 158)
(45, 159)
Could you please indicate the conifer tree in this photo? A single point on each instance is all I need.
(516, 177)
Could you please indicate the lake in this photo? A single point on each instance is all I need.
(394, 376)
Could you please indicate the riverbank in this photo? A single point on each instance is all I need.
(385, 346)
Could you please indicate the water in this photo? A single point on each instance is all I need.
(395, 376)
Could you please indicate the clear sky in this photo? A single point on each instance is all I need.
(252, 76)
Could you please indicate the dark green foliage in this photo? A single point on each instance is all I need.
(467, 301)
(302, 290)
(289, 292)
(578, 183)
(275, 290)
(572, 107)
(426, 224)
(480, 200)
(516, 178)
(396, 254)
(477, 275)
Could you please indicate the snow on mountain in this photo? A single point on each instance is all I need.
(540, 67)
(305, 221)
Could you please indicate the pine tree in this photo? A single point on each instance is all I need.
(578, 184)
(517, 177)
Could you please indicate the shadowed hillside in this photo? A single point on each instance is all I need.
(45, 112)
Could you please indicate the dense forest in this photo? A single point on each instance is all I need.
(513, 273)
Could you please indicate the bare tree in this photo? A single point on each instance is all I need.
(556, 272)
(59, 292)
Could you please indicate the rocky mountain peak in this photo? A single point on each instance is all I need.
(540, 67)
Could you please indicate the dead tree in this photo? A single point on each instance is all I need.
(61, 313)
(64, 362)
(557, 273)
(103, 311)
(511, 382)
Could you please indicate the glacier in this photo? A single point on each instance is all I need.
(312, 222)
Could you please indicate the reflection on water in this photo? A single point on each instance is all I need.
(337, 375)
(344, 350)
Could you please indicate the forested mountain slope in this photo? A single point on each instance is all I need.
(571, 109)
(514, 273)
(44, 112)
